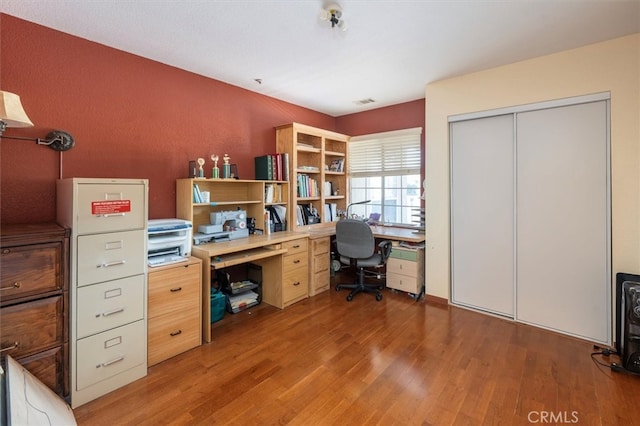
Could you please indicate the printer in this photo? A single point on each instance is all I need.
(168, 241)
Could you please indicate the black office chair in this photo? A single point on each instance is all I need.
(357, 247)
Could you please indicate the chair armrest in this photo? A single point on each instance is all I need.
(384, 248)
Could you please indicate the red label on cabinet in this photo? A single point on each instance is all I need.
(110, 207)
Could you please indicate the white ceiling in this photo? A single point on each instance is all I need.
(391, 50)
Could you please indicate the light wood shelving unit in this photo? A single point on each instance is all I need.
(311, 154)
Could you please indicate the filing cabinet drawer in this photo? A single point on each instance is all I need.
(403, 282)
(30, 270)
(296, 260)
(108, 305)
(296, 246)
(319, 283)
(172, 334)
(32, 327)
(48, 367)
(399, 266)
(174, 290)
(295, 285)
(104, 257)
(107, 354)
(110, 207)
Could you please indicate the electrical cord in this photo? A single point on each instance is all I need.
(612, 366)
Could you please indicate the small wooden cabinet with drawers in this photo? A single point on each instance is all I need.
(405, 269)
(319, 259)
(174, 309)
(34, 300)
(295, 271)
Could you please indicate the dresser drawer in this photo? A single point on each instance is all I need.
(296, 260)
(106, 207)
(32, 327)
(295, 284)
(104, 355)
(108, 305)
(405, 283)
(174, 290)
(48, 367)
(105, 257)
(300, 245)
(30, 270)
(172, 334)
(404, 267)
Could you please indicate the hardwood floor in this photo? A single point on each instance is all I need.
(398, 361)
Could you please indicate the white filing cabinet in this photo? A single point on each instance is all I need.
(108, 286)
(405, 269)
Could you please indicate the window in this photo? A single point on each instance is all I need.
(385, 168)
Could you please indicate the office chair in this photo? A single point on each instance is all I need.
(357, 247)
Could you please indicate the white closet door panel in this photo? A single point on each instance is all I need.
(482, 214)
(562, 237)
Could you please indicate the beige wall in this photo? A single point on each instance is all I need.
(612, 66)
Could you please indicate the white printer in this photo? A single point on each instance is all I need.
(169, 241)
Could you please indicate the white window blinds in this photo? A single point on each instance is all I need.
(385, 154)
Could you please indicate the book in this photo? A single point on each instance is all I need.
(197, 195)
(264, 168)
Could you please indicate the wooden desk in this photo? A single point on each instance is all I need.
(393, 233)
(267, 250)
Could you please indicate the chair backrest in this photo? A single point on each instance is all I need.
(354, 239)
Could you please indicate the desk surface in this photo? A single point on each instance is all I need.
(379, 231)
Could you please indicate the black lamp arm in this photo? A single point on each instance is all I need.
(57, 139)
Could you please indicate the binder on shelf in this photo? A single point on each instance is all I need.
(264, 168)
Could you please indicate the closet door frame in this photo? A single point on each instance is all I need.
(576, 100)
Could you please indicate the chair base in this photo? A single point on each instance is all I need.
(361, 287)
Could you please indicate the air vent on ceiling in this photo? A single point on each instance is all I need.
(364, 101)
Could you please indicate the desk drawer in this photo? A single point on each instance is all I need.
(300, 245)
(108, 305)
(104, 207)
(172, 334)
(105, 257)
(296, 260)
(174, 290)
(403, 282)
(109, 353)
(320, 245)
(295, 285)
(404, 267)
(31, 327)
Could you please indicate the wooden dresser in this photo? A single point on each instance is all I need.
(34, 300)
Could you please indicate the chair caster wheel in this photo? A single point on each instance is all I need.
(349, 298)
(378, 297)
(337, 288)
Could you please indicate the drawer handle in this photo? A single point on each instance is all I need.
(17, 284)
(175, 290)
(106, 314)
(110, 214)
(175, 333)
(15, 345)
(296, 261)
(116, 263)
(113, 361)
(296, 283)
(296, 246)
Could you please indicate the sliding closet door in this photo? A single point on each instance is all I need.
(563, 278)
(482, 245)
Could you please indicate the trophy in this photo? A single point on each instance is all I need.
(226, 167)
(200, 169)
(215, 174)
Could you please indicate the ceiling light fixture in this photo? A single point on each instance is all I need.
(332, 12)
(12, 114)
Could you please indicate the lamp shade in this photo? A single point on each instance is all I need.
(11, 111)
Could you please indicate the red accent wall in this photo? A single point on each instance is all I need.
(132, 118)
